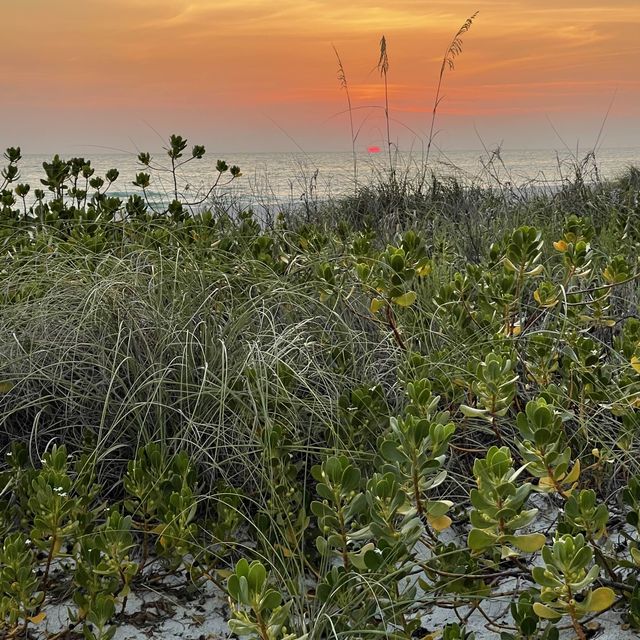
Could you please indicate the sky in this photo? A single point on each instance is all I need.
(261, 75)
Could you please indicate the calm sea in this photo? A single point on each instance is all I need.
(281, 179)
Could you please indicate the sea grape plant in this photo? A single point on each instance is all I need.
(631, 499)
(527, 622)
(340, 506)
(54, 506)
(543, 448)
(162, 501)
(389, 280)
(498, 507)
(565, 581)
(104, 565)
(454, 569)
(494, 388)
(257, 609)
(99, 620)
(20, 595)
(414, 450)
(584, 514)
(575, 248)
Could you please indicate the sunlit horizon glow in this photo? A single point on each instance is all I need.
(254, 75)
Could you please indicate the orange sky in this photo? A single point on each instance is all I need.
(252, 75)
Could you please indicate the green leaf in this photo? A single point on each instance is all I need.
(270, 600)
(244, 598)
(280, 616)
(350, 479)
(363, 270)
(358, 558)
(438, 508)
(389, 451)
(242, 568)
(242, 628)
(479, 539)
(472, 412)
(322, 546)
(321, 510)
(257, 576)
(233, 586)
(372, 560)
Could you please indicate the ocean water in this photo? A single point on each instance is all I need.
(271, 180)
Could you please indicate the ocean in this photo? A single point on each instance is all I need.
(271, 180)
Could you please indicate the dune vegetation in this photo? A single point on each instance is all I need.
(420, 397)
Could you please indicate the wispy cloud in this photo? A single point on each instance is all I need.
(231, 56)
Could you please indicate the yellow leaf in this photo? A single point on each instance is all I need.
(635, 554)
(38, 619)
(376, 305)
(529, 543)
(406, 299)
(573, 475)
(635, 363)
(506, 553)
(536, 271)
(601, 599)
(561, 245)
(5, 387)
(546, 484)
(439, 523)
(509, 265)
(547, 613)
(547, 303)
(424, 270)
(513, 329)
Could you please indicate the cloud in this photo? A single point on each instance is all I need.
(162, 57)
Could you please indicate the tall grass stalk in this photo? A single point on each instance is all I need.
(383, 69)
(342, 78)
(448, 62)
